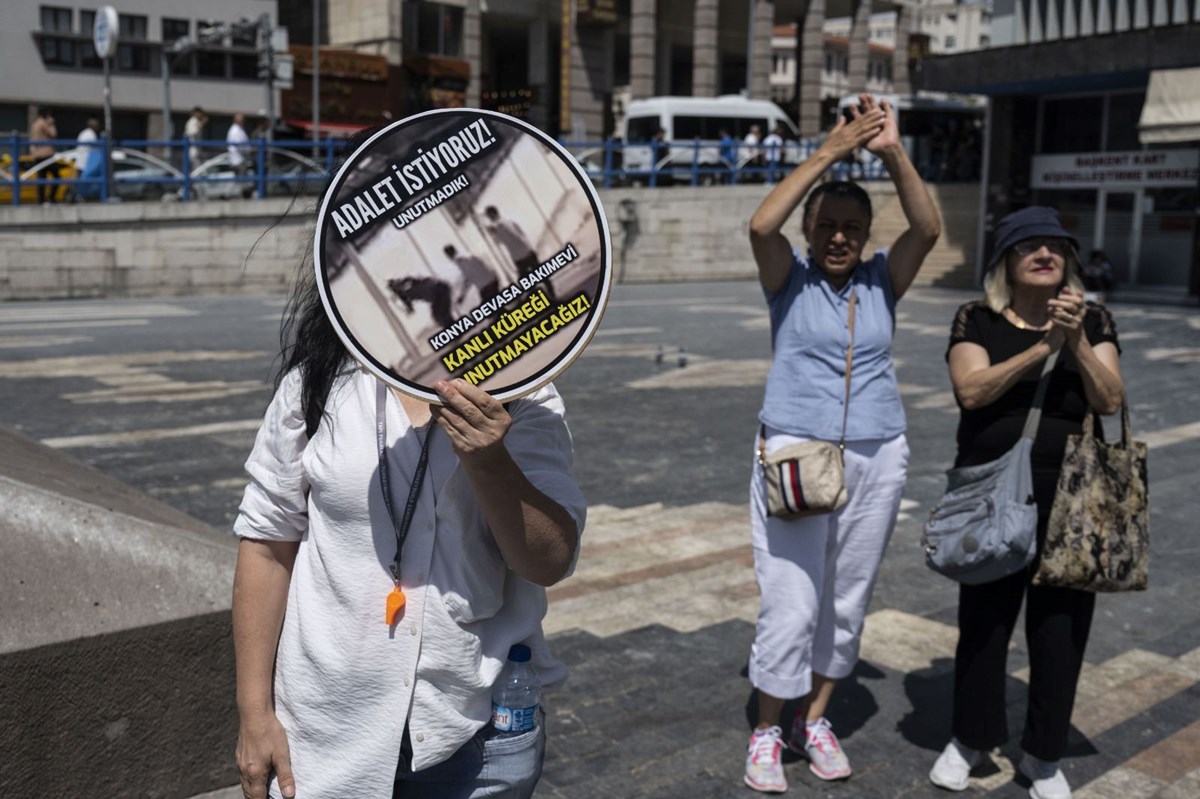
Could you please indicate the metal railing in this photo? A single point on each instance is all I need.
(179, 169)
(184, 170)
(697, 163)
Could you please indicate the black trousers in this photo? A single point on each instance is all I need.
(1057, 623)
(46, 192)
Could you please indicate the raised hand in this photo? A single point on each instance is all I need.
(845, 137)
(889, 136)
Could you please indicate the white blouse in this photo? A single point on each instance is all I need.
(346, 682)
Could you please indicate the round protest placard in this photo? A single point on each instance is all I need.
(463, 243)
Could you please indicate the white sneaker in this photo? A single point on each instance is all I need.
(952, 770)
(764, 764)
(1047, 778)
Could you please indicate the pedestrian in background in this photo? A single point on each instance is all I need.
(729, 155)
(1033, 306)
(772, 147)
(43, 130)
(750, 147)
(816, 573)
(193, 131)
(237, 141)
(85, 142)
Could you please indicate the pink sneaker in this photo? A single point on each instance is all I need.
(818, 743)
(764, 766)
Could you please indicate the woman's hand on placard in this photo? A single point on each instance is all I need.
(846, 137)
(475, 422)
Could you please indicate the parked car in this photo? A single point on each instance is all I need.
(290, 173)
(29, 168)
(136, 175)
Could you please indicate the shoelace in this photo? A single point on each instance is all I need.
(821, 736)
(764, 745)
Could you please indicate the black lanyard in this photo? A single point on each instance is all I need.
(385, 481)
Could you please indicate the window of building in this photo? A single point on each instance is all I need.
(1124, 111)
(132, 57)
(210, 63)
(1071, 124)
(87, 51)
(14, 118)
(172, 31)
(244, 65)
(433, 28)
(985, 41)
(57, 50)
(829, 62)
(950, 42)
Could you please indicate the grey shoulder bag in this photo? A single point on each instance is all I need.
(985, 525)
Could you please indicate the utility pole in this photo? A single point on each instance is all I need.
(316, 74)
(266, 69)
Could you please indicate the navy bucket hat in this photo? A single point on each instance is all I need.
(1028, 223)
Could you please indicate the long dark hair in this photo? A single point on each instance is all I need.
(307, 340)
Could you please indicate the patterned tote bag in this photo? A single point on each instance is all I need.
(1098, 538)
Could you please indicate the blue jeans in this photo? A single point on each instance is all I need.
(485, 766)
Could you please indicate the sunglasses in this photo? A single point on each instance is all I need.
(1030, 246)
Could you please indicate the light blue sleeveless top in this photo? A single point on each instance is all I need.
(810, 331)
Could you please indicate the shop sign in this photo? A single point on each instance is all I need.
(1118, 170)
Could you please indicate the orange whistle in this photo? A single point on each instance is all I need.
(395, 604)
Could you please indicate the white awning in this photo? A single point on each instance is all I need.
(1172, 109)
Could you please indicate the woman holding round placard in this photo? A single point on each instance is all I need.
(816, 573)
(370, 629)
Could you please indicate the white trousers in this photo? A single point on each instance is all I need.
(816, 574)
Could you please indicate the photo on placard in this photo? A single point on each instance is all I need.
(463, 243)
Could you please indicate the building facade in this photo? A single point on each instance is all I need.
(1095, 110)
(565, 65)
(835, 68)
(48, 61)
(954, 27)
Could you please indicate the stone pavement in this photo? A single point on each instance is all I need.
(657, 621)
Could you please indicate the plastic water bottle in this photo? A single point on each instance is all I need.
(516, 694)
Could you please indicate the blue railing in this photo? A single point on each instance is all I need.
(180, 169)
(696, 163)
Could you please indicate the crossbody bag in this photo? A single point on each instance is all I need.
(809, 478)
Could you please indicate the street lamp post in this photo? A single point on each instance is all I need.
(104, 38)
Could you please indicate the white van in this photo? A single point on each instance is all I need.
(689, 119)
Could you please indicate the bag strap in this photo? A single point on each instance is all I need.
(849, 369)
(1034, 418)
(1092, 420)
(762, 430)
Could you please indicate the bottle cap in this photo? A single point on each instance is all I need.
(519, 653)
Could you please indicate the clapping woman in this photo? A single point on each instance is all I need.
(1033, 306)
(816, 573)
